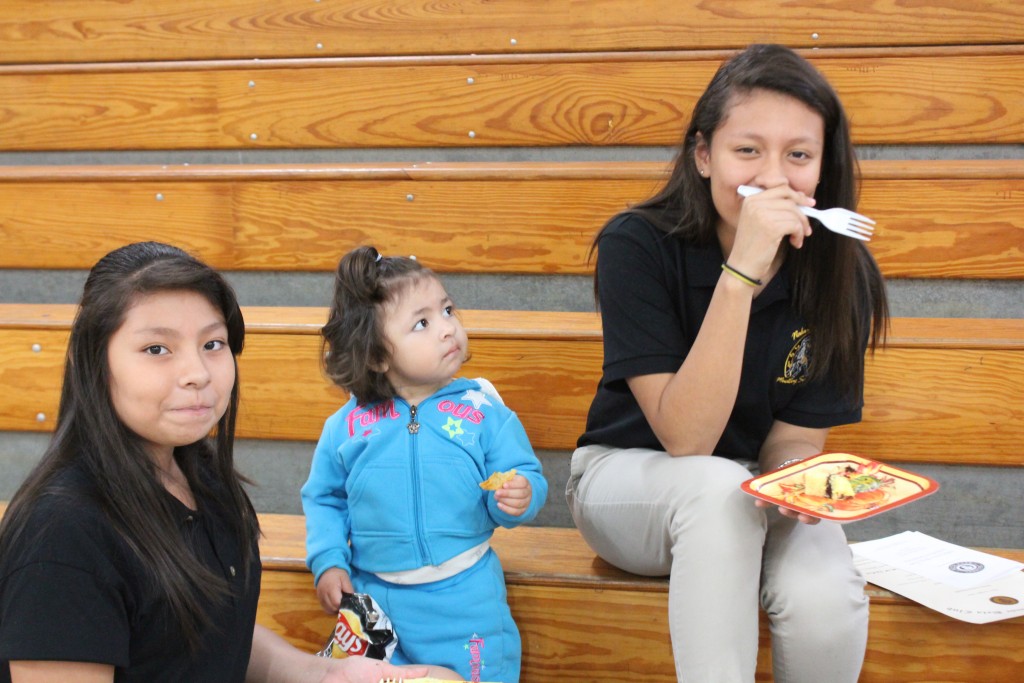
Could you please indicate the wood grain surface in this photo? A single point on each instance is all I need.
(897, 96)
(942, 391)
(90, 31)
(467, 74)
(558, 590)
(936, 219)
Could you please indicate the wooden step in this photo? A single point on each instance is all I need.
(88, 31)
(936, 219)
(898, 96)
(942, 391)
(582, 618)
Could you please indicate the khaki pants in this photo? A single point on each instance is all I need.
(652, 514)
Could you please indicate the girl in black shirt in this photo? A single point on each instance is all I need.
(130, 552)
(734, 337)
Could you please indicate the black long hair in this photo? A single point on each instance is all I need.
(124, 479)
(836, 285)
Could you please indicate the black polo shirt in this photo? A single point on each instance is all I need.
(73, 591)
(654, 291)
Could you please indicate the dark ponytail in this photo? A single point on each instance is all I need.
(354, 347)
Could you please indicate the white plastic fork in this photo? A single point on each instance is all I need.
(838, 220)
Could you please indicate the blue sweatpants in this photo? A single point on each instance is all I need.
(462, 622)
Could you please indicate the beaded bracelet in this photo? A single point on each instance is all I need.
(740, 276)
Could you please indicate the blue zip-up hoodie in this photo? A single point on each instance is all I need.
(402, 483)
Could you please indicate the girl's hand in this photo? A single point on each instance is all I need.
(358, 669)
(765, 220)
(514, 496)
(274, 660)
(786, 512)
(330, 586)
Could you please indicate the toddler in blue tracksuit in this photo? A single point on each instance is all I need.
(393, 503)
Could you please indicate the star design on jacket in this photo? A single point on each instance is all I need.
(477, 398)
(453, 427)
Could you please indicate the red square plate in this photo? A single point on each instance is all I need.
(876, 487)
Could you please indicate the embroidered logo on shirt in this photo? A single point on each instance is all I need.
(798, 359)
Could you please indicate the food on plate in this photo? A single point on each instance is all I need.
(846, 486)
(835, 485)
(839, 486)
(497, 480)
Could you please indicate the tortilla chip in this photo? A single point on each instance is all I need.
(497, 480)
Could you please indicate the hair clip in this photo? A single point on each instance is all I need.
(379, 257)
(412, 257)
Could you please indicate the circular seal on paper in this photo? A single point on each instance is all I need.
(966, 567)
(1004, 600)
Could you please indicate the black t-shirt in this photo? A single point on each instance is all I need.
(654, 291)
(73, 591)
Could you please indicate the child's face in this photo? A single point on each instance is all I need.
(427, 340)
(767, 139)
(171, 370)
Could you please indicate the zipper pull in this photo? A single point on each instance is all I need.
(413, 426)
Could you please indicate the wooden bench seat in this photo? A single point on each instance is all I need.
(87, 31)
(559, 589)
(965, 404)
(936, 219)
(926, 95)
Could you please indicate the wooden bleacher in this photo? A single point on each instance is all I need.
(238, 75)
(937, 219)
(559, 590)
(965, 405)
(83, 31)
(894, 96)
(583, 619)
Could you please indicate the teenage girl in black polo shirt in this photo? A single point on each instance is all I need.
(130, 552)
(734, 335)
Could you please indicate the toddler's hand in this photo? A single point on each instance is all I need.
(330, 586)
(514, 497)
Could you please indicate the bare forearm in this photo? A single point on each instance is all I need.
(274, 660)
(788, 442)
(771, 459)
(694, 406)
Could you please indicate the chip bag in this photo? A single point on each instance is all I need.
(362, 629)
